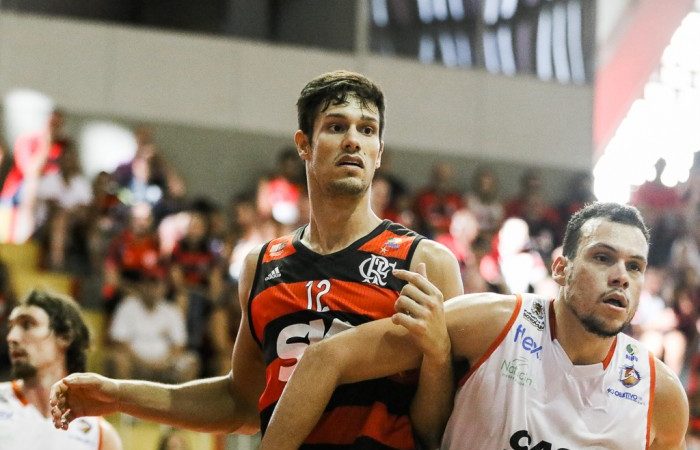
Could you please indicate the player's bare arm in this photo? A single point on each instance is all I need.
(423, 316)
(220, 404)
(374, 350)
(670, 413)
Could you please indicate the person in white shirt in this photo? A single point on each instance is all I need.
(47, 340)
(543, 373)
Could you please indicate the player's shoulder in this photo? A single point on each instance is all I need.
(671, 410)
(430, 252)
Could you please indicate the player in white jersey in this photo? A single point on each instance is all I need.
(47, 340)
(544, 374)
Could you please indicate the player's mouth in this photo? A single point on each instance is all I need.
(616, 299)
(351, 161)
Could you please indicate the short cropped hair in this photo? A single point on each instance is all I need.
(614, 212)
(66, 321)
(333, 88)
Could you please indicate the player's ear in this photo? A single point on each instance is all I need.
(560, 267)
(303, 145)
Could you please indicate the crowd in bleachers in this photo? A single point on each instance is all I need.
(167, 265)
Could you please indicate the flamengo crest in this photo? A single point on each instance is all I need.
(375, 269)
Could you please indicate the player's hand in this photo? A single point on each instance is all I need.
(419, 309)
(82, 394)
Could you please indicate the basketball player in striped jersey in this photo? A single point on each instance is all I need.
(543, 373)
(47, 340)
(327, 277)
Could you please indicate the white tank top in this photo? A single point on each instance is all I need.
(531, 396)
(23, 427)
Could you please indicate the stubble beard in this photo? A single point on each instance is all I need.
(23, 371)
(347, 188)
(591, 322)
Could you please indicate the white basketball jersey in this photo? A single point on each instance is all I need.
(527, 395)
(23, 427)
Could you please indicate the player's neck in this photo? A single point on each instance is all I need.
(581, 346)
(336, 223)
(37, 389)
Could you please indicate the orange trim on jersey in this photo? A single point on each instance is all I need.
(18, 393)
(389, 244)
(273, 385)
(279, 248)
(652, 391)
(609, 356)
(345, 424)
(371, 301)
(494, 345)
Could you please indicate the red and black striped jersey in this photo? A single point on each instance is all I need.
(299, 297)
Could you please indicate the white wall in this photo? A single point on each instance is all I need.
(98, 70)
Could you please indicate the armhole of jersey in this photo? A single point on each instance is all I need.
(412, 250)
(494, 345)
(652, 391)
(251, 295)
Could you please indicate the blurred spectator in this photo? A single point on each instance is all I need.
(655, 323)
(104, 217)
(173, 439)
(197, 283)
(130, 254)
(484, 202)
(579, 194)
(35, 154)
(543, 221)
(64, 197)
(661, 207)
(464, 229)
(149, 178)
(248, 232)
(398, 193)
(148, 335)
(223, 328)
(435, 204)
(7, 302)
(513, 267)
(278, 194)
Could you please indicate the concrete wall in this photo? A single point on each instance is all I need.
(217, 103)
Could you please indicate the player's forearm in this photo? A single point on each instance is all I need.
(303, 400)
(432, 404)
(201, 405)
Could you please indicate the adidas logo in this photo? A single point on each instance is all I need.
(274, 274)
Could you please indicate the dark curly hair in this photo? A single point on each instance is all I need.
(66, 321)
(333, 88)
(614, 212)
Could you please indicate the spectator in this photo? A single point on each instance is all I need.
(131, 253)
(484, 202)
(35, 155)
(249, 231)
(542, 219)
(279, 193)
(148, 335)
(436, 203)
(64, 198)
(580, 193)
(464, 230)
(7, 302)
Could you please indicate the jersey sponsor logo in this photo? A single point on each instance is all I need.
(526, 342)
(632, 350)
(391, 244)
(521, 440)
(629, 376)
(294, 339)
(535, 315)
(275, 273)
(517, 370)
(626, 396)
(375, 269)
(84, 426)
